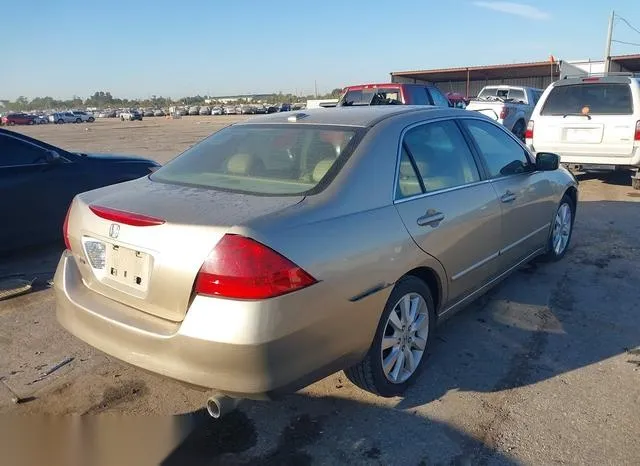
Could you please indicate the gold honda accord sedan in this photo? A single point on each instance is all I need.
(285, 248)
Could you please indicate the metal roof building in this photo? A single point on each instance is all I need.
(469, 80)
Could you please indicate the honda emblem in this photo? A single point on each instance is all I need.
(114, 230)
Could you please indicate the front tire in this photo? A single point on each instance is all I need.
(60, 121)
(401, 342)
(561, 230)
(91, 120)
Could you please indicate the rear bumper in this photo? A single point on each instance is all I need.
(631, 160)
(231, 350)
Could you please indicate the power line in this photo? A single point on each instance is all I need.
(627, 23)
(625, 43)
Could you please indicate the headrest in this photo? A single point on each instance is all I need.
(321, 169)
(241, 164)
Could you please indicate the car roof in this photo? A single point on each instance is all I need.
(593, 80)
(363, 116)
(387, 85)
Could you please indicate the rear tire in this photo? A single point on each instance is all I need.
(561, 230)
(412, 298)
(91, 120)
(635, 183)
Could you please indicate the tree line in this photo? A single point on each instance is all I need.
(102, 99)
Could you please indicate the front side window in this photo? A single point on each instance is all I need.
(15, 152)
(438, 98)
(502, 154)
(441, 156)
(590, 99)
(262, 159)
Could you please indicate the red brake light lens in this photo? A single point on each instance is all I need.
(242, 268)
(636, 137)
(528, 134)
(504, 113)
(590, 80)
(65, 230)
(127, 218)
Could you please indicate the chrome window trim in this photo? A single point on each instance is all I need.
(396, 177)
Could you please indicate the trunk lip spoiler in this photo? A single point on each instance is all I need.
(125, 217)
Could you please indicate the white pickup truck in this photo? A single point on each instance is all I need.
(511, 106)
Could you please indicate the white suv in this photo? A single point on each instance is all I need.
(592, 122)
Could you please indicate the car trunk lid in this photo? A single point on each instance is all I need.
(142, 243)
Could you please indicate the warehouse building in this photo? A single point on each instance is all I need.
(469, 80)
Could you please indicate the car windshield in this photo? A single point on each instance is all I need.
(589, 99)
(262, 159)
(371, 96)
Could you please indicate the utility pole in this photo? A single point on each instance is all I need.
(315, 85)
(607, 53)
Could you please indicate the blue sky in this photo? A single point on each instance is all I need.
(176, 48)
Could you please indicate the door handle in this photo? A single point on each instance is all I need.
(508, 197)
(432, 218)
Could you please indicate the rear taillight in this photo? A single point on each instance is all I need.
(636, 137)
(504, 113)
(241, 268)
(65, 229)
(590, 80)
(528, 134)
(128, 218)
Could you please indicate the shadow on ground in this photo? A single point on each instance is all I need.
(333, 434)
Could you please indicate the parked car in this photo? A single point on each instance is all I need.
(216, 111)
(285, 247)
(18, 119)
(392, 94)
(158, 113)
(84, 117)
(149, 113)
(64, 117)
(195, 110)
(205, 110)
(510, 106)
(260, 109)
(40, 119)
(272, 109)
(246, 110)
(38, 182)
(284, 108)
(230, 110)
(592, 122)
(131, 115)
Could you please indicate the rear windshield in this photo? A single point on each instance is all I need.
(263, 159)
(592, 99)
(489, 93)
(371, 96)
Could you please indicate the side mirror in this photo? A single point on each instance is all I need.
(53, 157)
(546, 161)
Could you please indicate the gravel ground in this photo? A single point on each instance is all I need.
(545, 369)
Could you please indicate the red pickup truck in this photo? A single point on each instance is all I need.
(393, 94)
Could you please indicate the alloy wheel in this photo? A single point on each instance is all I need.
(562, 228)
(405, 337)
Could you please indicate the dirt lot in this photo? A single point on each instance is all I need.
(545, 369)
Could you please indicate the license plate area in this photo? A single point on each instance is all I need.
(583, 135)
(127, 267)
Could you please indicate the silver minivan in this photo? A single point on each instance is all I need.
(592, 122)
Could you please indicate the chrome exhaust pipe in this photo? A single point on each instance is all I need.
(220, 405)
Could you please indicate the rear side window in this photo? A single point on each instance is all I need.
(261, 159)
(441, 156)
(592, 99)
(417, 95)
